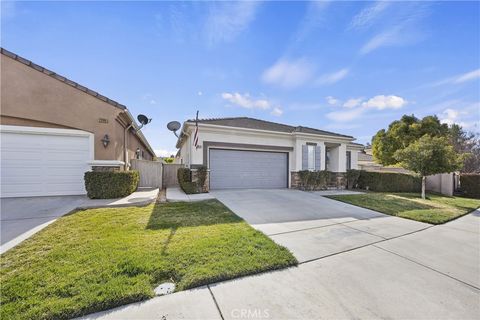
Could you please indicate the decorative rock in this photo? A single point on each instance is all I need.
(165, 288)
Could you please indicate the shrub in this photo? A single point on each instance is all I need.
(110, 184)
(313, 180)
(470, 185)
(389, 182)
(352, 178)
(184, 176)
(201, 177)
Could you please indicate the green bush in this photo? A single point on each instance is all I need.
(470, 185)
(313, 180)
(184, 176)
(352, 178)
(389, 182)
(110, 184)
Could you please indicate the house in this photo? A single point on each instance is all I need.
(251, 153)
(54, 129)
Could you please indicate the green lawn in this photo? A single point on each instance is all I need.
(98, 259)
(436, 209)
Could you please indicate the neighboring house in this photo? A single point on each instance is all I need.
(250, 153)
(53, 130)
(367, 163)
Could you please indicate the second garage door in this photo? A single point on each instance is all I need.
(231, 169)
(43, 162)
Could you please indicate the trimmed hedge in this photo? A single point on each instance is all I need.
(313, 180)
(110, 184)
(470, 185)
(184, 176)
(388, 182)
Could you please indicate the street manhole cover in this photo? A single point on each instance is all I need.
(165, 288)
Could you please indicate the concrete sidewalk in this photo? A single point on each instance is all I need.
(141, 197)
(407, 277)
(23, 217)
(175, 194)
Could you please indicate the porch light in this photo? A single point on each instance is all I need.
(105, 140)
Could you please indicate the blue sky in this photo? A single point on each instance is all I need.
(348, 67)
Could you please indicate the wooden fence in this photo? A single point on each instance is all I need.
(150, 172)
(170, 174)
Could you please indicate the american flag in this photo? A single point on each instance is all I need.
(195, 136)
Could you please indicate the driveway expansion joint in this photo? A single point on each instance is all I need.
(427, 267)
(216, 303)
(366, 245)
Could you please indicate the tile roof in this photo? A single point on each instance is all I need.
(251, 123)
(61, 78)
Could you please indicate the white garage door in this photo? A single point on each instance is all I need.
(43, 162)
(231, 169)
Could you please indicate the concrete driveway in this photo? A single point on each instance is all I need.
(312, 226)
(354, 264)
(19, 216)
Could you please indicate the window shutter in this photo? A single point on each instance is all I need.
(304, 157)
(317, 158)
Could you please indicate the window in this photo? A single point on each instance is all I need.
(349, 160)
(311, 157)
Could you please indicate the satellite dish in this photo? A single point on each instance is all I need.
(174, 126)
(143, 119)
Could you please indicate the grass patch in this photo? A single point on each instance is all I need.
(436, 209)
(97, 259)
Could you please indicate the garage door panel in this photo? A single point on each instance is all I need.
(43, 164)
(247, 169)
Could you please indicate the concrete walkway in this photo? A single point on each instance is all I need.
(175, 194)
(354, 263)
(23, 217)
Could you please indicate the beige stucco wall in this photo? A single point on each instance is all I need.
(32, 98)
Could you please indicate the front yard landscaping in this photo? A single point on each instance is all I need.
(436, 209)
(97, 259)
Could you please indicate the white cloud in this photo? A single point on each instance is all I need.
(352, 103)
(276, 111)
(228, 19)
(382, 102)
(402, 27)
(332, 78)
(345, 116)
(288, 74)
(199, 93)
(472, 75)
(460, 78)
(246, 101)
(331, 100)
(314, 18)
(357, 108)
(367, 16)
(383, 39)
(165, 152)
(466, 116)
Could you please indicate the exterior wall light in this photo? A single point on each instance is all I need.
(105, 140)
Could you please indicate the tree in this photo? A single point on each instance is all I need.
(401, 133)
(429, 155)
(466, 143)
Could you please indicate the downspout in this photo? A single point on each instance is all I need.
(125, 149)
